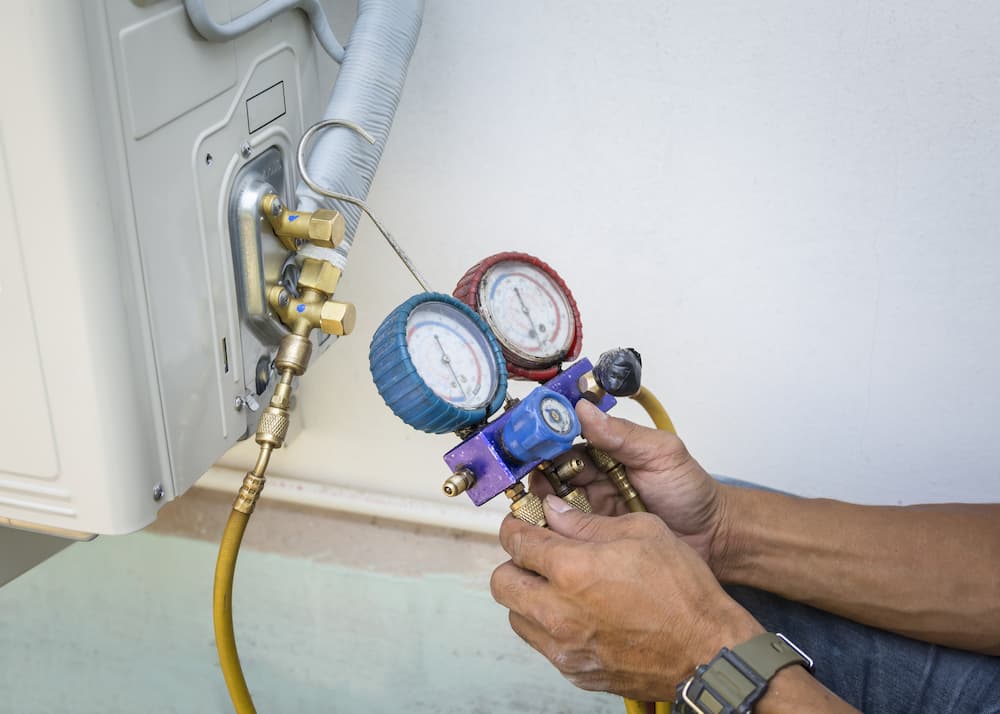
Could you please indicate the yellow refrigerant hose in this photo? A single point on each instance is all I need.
(272, 428)
(270, 435)
(661, 420)
(648, 401)
(222, 613)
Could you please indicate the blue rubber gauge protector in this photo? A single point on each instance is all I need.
(437, 365)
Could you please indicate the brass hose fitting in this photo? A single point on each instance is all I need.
(525, 506)
(558, 476)
(618, 475)
(459, 482)
(569, 469)
(249, 493)
(590, 388)
(271, 432)
(293, 355)
(578, 499)
(324, 227)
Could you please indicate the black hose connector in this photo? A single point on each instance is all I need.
(619, 372)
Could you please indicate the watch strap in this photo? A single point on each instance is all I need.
(735, 679)
(768, 653)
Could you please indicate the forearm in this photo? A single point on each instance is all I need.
(794, 690)
(928, 572)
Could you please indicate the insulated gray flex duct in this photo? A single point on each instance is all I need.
(367, 92)
(216, 32)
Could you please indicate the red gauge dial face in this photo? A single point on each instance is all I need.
(529, 313)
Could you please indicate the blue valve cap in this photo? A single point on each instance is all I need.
(541, 427)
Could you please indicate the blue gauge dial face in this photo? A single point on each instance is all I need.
(527, 311)
(452, 355)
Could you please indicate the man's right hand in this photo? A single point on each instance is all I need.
(672, 484)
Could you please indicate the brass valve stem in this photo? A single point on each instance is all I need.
(618, 475)
(554, 477)
(292, 360)
(559, 475)
(568, 470)
(459, 482)
(271, 432)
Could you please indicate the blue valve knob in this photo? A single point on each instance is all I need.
(541, 427)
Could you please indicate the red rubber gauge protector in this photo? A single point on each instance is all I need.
(469, 290)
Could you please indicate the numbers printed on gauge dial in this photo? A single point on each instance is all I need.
(527, 311)
(451, 355)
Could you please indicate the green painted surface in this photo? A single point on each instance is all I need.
(124, 625)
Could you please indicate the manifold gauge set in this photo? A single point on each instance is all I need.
(442, 363)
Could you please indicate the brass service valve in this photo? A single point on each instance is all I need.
(324, 228)
(313, 308)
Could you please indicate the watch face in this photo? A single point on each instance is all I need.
(528, 312)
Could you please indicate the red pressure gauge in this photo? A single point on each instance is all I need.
(529, 309)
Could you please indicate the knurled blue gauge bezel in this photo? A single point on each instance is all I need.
(402, 388)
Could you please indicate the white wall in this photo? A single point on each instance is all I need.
(790, 208)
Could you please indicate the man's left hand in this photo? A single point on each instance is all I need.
(617, 604)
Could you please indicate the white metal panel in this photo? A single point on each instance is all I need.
(127, 267)
(166, 76)
(25, 426)
(96, 389)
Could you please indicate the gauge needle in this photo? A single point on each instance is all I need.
(447, 360)
(527, 312)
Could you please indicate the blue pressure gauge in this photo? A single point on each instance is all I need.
(437, 365)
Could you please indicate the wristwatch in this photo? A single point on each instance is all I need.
(734, 681)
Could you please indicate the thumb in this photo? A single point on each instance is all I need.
(571, 522)
(625, 441)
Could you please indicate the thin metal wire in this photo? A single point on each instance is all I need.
(301, 157)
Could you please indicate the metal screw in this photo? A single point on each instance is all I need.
(238, 403)
(245, 150)
(157, 492)
(276, 207)
(283, 299)
(298, 242)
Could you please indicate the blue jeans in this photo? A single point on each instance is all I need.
(876, 671)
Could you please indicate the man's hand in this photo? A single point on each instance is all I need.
(672, 484)
(616, 604)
